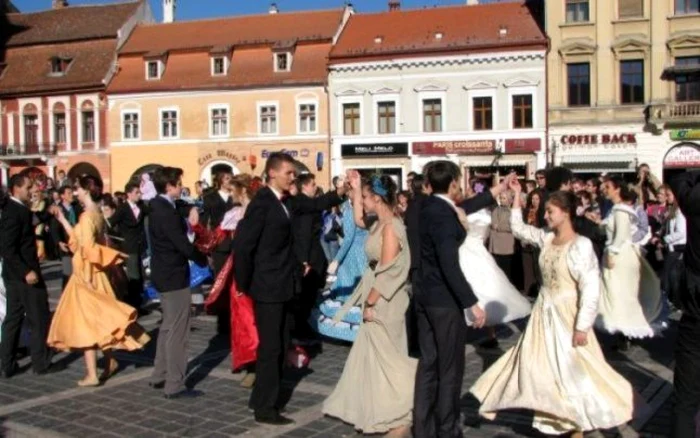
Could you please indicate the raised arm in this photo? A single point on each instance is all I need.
(526, 233)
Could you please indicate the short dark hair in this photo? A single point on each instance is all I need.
(304, 179)
(16, 181)
(557, 177)
(275, 160)
(164, 176)
(92, 185)
(411, 174)
(61, 172)
(334, 181)
(541, 172)
(130, 186)
(417, 183)
(441, 173)
(62, 191)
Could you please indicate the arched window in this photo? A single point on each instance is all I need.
(87, 112)
(30, 123)
(59, 123)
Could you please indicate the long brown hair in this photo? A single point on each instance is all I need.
(671, 207)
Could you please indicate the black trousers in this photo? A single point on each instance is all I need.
(442, 334)
(32, 302)
(686, 380)
(272, 320)
(223, 315)
(304, 303)
(134, 273)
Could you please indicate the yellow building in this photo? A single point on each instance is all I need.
(221, 94)
(624, 84)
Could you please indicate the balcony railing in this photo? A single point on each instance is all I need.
(32, 149)
(674, 113)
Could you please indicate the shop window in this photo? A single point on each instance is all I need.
(351, 119)
(577, 11)
(31, 129)
(169, 123)
(268, 119)
(630, 8)
(684, 7)
(632, 82)
(88, 128)
(386, 117)
(522, 111)
(432, 115)
(307, 118)
(59, 127)
(130, 121)
(579, 84)
(688, 84)
(483, 113)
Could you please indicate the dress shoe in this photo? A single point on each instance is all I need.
(51, 369)
(156, 385)
(274, 419)
(9, 372)
(185, 393)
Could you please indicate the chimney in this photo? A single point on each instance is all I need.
(59, 4)
(472, 2)
(273, 9)
(394, 5)
(168, 11)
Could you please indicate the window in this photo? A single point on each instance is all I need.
(268, 119)
(483, 113)
(432, 115)
(59, 66)
(59, 128)
(577, 11)
(630, 8)
(579, 77)
(281, 61)
(88, 126)
(632, 81)
(351, 119)
(153, 70)
(168, 124)
(386, 117)
(307, 117)
(218, 66)
(688, 84)
(31, 129)
(522, 111)
(687, 7)
(130, 121)
(219, 122)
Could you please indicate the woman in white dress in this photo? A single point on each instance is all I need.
(631, 301)
(557, 368)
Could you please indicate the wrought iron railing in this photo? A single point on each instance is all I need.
(28, 149)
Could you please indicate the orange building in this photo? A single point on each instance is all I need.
(222, 94)
(52, 83)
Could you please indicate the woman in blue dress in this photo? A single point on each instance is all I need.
(349, 265)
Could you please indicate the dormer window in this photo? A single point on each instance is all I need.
(152, 70)
(59, 65)
(283, 61)
(219, 65)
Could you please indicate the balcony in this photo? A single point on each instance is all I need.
(33, 150)
(673, 114)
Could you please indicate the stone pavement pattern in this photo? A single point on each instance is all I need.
(52, 406)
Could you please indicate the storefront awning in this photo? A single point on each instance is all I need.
(591, 163)
(489, 161)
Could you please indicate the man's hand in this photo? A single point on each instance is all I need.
(479, 316)
(504, 185)
(307, 269)
(64, 246)
(580, 338)
(32, 278)
(609, 261)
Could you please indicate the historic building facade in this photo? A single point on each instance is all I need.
(52, 87)
(467, 83)
(624, 84)
(223, 94)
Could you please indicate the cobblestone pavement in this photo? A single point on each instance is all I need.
(52, 406)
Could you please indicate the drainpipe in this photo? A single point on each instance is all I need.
(328, 128)
(546, 104)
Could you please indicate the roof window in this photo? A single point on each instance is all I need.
(153, 70)
(378, 39)
(438, 35)
(283, 61)
(59, 65)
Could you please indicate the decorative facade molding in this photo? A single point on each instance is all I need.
(630, 43)
(432, 86)
(350, 91)
(481, 85)
(385, 89)
(574, 47)
(520, 82)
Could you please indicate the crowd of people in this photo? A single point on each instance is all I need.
(401, 275)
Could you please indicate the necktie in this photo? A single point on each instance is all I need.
(135, 209)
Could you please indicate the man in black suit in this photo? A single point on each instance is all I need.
(266, 269)
(26, 290)
(129, 218)
(71, 210)
(170, 274)
(443, 299)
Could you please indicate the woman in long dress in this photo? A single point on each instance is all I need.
(631, 301)
(557, 368)
(375, 391)
(89, 317)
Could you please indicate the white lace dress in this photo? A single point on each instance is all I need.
(497, 296)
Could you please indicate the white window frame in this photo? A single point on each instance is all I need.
(342, 101)
(226, 65)
(140, 123)
(275, 104)
(301, 102)
(388, 97)
(471, 94)
(160, 69)
(534, 92)
(161, 110)
(219, 106)
(289, 61)
(428, 95)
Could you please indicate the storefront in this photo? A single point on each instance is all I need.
(684, 154)
(378, 158)
(591, 154)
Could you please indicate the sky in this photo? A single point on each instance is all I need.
(193, 9)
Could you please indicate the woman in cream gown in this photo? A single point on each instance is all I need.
(557, 368)
(375, 391)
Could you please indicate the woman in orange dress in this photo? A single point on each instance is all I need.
(89, 317)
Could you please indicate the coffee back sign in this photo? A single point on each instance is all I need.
(374, 150)
(459, 147)
(599, 141)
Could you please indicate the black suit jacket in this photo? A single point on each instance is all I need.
(18, 243)
(213, 210)
(307, 235)
(266, 267)
(440, 279)
(131, 228)
(686, 187)
(171, 250)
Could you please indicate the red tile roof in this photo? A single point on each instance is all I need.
(72, 23)
(28, 68)
(413, 32)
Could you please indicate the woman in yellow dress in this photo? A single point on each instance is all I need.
(89, 317)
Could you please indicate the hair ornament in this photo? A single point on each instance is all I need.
(378, 188)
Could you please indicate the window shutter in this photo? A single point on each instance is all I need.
(631, 8)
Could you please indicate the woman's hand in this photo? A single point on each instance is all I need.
(354, 179)
(580, 338)
(368, 314)
(515, 185)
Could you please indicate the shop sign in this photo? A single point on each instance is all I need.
(523, 145)
(460, 147)
(291, 152)
(683, 156)
(599, 141)
(221, 154)
(685, 134)
(374, 150)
